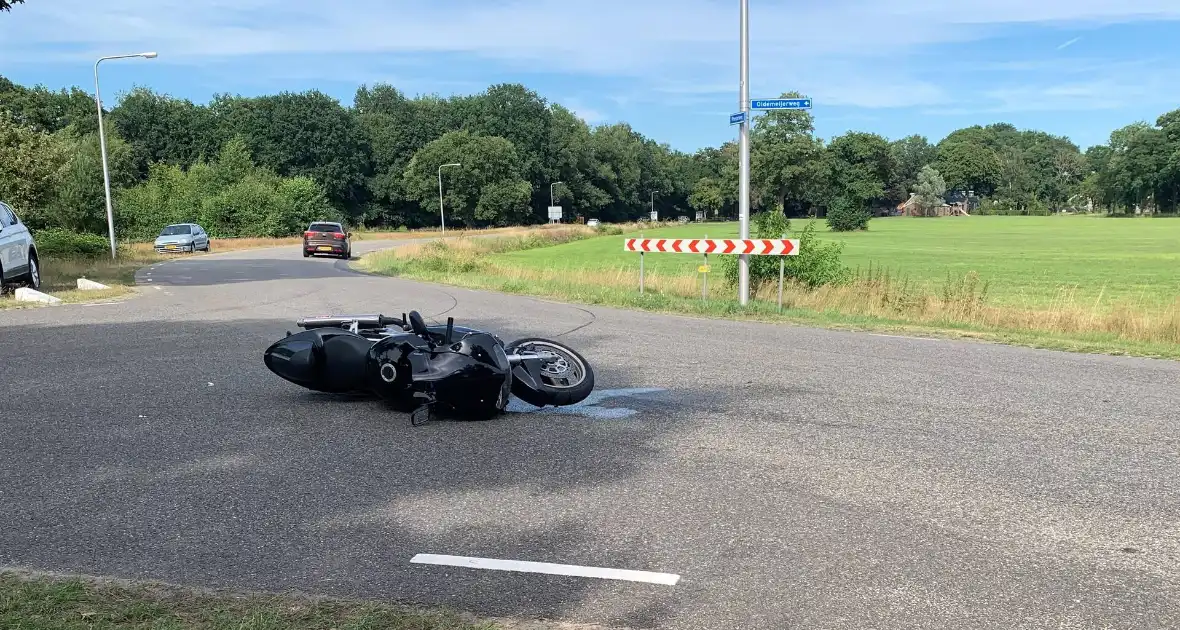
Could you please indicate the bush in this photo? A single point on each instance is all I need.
(229, 198)
(62, 243)
(845, 215)
(815, 265)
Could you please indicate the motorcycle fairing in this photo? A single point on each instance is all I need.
(321, 359)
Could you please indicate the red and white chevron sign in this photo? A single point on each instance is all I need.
(753, 246)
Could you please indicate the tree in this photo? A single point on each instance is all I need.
(571, 161)
(305, 134)
(910, 154)
(162, 129)
(929, 191)
(786, 159)
(863, 167)
(707, 196)
(488, 189)
(969, 165)
(79, 199)
(30, 164)
(47, 111)
(6, 5)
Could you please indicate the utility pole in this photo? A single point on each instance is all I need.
(744, 159)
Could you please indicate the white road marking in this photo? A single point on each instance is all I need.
(546, 567)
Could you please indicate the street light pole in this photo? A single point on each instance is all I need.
(653, 200)
(744, 152)
(102, 144)
(441, 218)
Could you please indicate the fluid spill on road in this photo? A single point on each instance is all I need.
(589, 408)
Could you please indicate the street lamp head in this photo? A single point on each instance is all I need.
(148, 55)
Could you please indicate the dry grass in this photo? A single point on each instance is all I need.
(60, 274)
(239, 244)
(958, 303)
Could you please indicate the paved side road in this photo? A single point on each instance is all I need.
(790, 477)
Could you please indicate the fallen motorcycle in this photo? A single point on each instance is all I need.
(445, 370)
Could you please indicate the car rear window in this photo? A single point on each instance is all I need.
(324, 227)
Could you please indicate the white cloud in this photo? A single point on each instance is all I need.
(590, 115)
(843, 52)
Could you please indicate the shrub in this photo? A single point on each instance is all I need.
(815, 265)
(62, 243)
(845, 215)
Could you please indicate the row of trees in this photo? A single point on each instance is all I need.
(263, 165)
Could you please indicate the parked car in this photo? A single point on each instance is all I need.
(19, 262)
(592, 223)
(323, 237)
(182, 237)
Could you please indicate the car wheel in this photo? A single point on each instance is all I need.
(306, 253)
(34, 272)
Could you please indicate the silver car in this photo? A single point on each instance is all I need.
(182, 237)
(18, 252)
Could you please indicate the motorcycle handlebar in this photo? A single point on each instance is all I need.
(362, 321)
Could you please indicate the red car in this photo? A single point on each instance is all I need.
(327, 238)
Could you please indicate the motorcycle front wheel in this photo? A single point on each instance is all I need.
(566, 376)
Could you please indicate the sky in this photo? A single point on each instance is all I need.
(670, 68)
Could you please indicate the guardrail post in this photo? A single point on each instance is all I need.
(641, 266)
(782, 268)
(705, 280)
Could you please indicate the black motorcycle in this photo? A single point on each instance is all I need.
(446, 370)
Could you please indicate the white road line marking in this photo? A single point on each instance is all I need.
(545, 567)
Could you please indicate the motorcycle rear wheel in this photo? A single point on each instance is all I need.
(566, 379)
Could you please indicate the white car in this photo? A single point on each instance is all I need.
(18, 252)
(592, 223)
(182, 237)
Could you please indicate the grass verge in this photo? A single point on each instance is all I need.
(38, 602)
(60, 273)
(874, 300)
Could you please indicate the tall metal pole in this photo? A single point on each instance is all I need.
(744, 159)
(442, 220)
(106, 175)
(102, 144)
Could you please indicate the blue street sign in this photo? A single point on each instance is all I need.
(738, 118)
(782, 103)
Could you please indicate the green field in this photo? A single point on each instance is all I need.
(1027, 261)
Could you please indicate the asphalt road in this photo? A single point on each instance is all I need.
(792, 477)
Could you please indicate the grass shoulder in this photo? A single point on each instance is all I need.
(30, 601)
(60, 271)
(554, 265)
